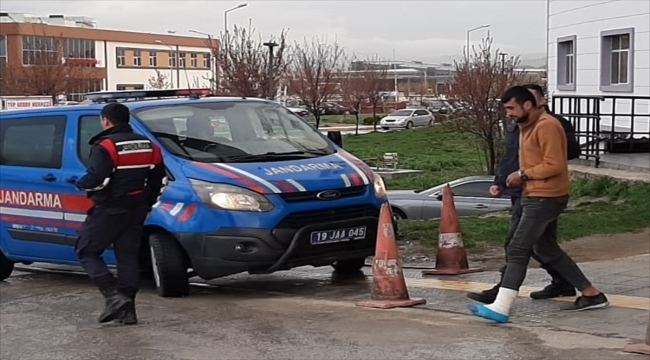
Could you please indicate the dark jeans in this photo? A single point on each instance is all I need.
(537, 233)
(516, 211)
(121, 228)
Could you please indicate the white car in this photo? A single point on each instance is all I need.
(406, 118)
(299, 111)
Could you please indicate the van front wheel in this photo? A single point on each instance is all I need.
(6, 267)
(169, 265)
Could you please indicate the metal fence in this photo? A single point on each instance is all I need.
(613, 124)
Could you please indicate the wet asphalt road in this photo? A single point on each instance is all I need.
(52, 316)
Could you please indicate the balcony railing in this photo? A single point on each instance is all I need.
(607, 124)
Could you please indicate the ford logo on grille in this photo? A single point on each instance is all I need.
(328, 195)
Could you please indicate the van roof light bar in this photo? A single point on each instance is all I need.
(125, 95)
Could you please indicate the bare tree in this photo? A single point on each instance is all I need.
(159, 80)
(480, 80)
(316, 67)
(354, 90)
(45, 72)
(246, 67)
(375, 80)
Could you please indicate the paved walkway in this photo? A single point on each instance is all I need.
(613, 173)
(626, 282)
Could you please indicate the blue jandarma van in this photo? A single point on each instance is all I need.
(251, 187)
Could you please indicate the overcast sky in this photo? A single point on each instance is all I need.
(415, 29)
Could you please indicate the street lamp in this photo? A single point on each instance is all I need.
(178, 72)
(473, 29)
(225, 15)
(269, 72)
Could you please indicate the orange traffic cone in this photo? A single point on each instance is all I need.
(640, 348)
(388, 284)
(451, 258)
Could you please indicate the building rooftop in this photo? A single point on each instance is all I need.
(53, 19)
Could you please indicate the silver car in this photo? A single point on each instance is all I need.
(407, 118)
(471, 197)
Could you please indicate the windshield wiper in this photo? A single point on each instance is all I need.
(278, 155)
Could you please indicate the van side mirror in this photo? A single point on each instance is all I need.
(336, 137)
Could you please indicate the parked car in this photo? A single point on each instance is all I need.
(299, 111)
(471, 197)
(331, 108)
(406, 118)
(439, 107)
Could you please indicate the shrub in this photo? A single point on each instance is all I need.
(369, 120)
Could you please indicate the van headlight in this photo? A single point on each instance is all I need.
(380, 188)
(230, 197)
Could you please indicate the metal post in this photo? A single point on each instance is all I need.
(503, 61)
(269, 73)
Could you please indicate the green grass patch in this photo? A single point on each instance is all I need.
(442, 154)
(598, 206)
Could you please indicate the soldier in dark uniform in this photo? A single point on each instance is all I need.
(123, 179)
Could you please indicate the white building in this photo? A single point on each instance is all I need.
(134, 65)
(601, 48)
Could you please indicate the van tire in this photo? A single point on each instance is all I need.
(349, 266)
(169, 265)
(6, 267)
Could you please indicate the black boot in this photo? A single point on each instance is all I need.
(128, 316)
(557, 288)
(485, 297)
(115, 304)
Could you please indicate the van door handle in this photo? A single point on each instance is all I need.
(72, 180)
(49, 177)
(480, 206)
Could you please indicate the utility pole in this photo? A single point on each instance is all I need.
(503, 61)
(269, 72)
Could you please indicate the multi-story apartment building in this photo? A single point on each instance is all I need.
(111, 60)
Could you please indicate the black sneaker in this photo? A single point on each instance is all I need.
(485, 297)
(554, 290)
(588, 303)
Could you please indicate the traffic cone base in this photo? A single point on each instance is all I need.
(637, 349)
(390, 304)
(451, 271)
(451, 258)
(388, 283)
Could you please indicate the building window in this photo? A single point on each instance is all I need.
(137, 58)
(617, 60)
(566, 63)
(40, 50)
(121, 58)
(194, 60)
(172, 59)
(181, 60)
(78, 48)
(153, 59)
(3, 54)
(206, 60)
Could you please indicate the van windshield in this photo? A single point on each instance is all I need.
(233, 131)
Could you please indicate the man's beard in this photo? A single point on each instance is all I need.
(522, 119)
